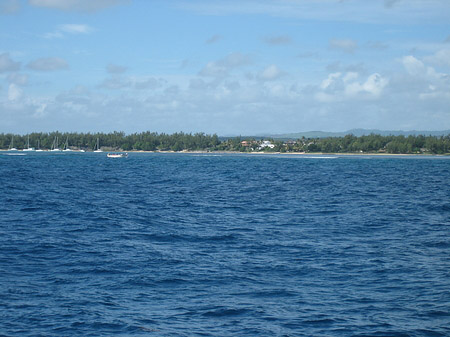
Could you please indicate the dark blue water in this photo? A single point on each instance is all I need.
(231, 245)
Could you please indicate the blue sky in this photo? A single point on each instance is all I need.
(224, 66)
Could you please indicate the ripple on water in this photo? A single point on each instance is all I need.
(224, 245)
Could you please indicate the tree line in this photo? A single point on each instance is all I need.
(368, 144)
(152, 141)
(146, 141)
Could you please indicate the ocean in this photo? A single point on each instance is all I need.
(224, 245)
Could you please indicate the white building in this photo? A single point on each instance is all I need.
(265, 144)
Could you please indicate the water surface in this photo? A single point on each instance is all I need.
(224, 245)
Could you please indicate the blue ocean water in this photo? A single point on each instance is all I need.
(224, 245)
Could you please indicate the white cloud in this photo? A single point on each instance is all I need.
(425, 82)
(14, 92)
(213, 69)
(344, 45)
(340, 87)
(48, 64)
(417, 68)
(68, 29)
(7, 64)
(440, 58)
(40, 111)
(222, 67)
(76, 5)
(373, 86)
(330, 80)
(75, 28)
(413, 66)
(350, 76)
(270, 73)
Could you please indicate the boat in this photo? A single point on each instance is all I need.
(39, 148)
(98, 147)
(117, 155)
(28, 149)
(11, 146)
(66, 146)
(55, 145)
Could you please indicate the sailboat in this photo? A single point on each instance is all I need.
(55, 145)
(11, 146)
(28, 149)
(39, 148)
(98, 147)
(66, 146)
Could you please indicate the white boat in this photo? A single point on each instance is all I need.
(11, 146)
(55, 146)
(39, 148)
(66, 146)
(117, 155)
(28, 149)
(98, 147)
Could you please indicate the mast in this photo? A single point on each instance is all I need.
(11, 146)
(98, 146)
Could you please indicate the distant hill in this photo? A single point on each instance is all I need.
(355, 132)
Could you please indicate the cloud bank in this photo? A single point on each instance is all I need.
(236, 103)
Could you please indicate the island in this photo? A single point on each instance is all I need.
(188, 142)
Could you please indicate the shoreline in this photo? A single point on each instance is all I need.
(293, 153)
(255, 153)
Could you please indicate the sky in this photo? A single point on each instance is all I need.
(230, 67)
